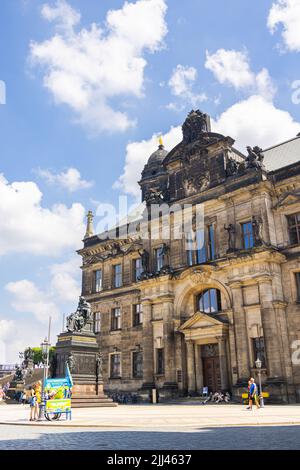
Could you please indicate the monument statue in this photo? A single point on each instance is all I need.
(19, 374)
(255, 158)
(71, 362)
(257, 226)
(195, 124)
(77, 320)
(99, 366)
(145, 261)
(231, 237)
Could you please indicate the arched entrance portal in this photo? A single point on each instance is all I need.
(206, 335)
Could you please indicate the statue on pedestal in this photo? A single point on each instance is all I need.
(77, 320)
(99, 366)
(231, 237)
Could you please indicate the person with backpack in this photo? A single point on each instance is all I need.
(253, 395)
(34, 407)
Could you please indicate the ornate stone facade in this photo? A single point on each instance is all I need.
(207, 313)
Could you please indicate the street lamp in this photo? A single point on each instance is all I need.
(45, 347)
(258, 365)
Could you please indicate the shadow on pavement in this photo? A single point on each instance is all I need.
(250, 438)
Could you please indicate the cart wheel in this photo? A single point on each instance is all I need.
(54, 417)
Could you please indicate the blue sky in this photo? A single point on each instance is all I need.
(84, 109)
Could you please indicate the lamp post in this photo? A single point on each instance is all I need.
(258, 365)
(45, 347)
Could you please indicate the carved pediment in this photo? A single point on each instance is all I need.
(201, 320)
(291, 197)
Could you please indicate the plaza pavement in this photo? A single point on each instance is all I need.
(167, 416)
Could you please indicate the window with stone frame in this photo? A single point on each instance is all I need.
(159, 258)
(209, 301)
(115, 365)
(297, 279)
(258, 346)
(137, 314)
(97, 322)
(116, 319)
(201, 248)
(137, 364)
(117, 275)
(98, 280)
(160, 361)
(190, 247)
(247, 234)
(137, 269)
(294, 228)
(211, 242)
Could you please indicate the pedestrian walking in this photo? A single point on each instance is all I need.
(24, 397)
(253, 395)
(34, 406)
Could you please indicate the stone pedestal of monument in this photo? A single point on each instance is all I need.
(80, 350)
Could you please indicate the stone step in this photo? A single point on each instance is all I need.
(93, 404)
(92, 400)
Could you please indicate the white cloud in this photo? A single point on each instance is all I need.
(231, 67)
(27, 227)
(29, 299)
(69, 179)
(6, 332)
(65, 282)
(88, 68)
(286, 13)
(256, 121)
(181, 84)
(65, 16)
(137, 154)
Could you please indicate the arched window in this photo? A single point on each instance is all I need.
(209, 301)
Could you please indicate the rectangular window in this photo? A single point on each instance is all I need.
(117, 275)
(259, 350)
(137, 269)
(211, 242)
(160, 366)
(137, 364)
(115, 365)
(159, 258)
(116, 319)
(297, 276)
(294, 228)
(190, 247)
(201, 249)
(98, 280)
(137, 314)
(97, 322)
(247, 235)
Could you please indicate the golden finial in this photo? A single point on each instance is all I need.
(160, 141)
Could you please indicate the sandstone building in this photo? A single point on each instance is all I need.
(182, 313)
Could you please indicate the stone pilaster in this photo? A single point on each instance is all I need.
(191, 367)
(169, 345)
(199, 368)
(223, 362)
(148, 354)
(271, 337)
(241, 334)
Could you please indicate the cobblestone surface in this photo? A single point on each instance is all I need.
(252, 438)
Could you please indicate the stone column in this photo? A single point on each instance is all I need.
(169, 345)
(148, 354)
(223, 362)
(191, 367)
(268, 318)
(241, 333)
(199, 368)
